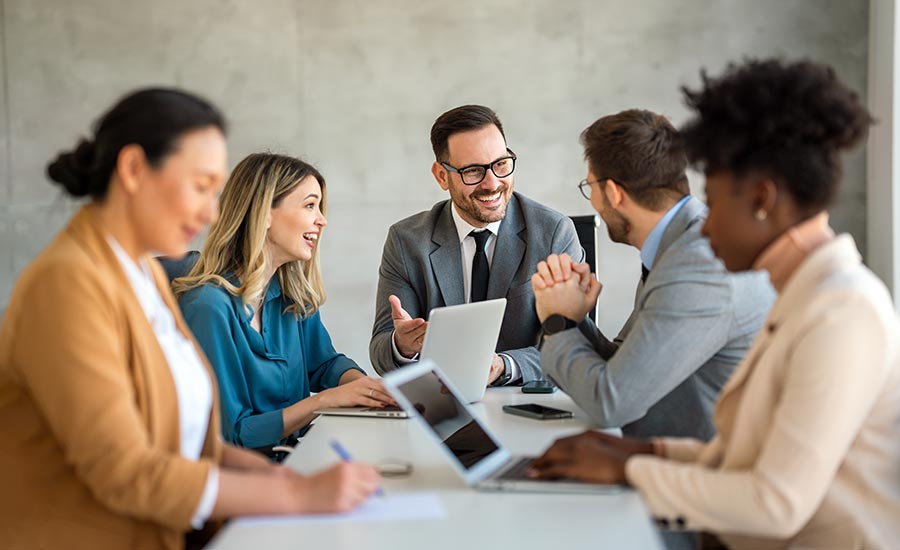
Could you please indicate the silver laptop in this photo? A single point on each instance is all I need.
(386, 412)
(462, 339)
(432, 400)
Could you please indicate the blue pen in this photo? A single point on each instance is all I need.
(345, 456)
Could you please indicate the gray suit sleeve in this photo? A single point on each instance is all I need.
(392, 279)
(565, 239)
(681, 325)
(605, 347)
(529, 362)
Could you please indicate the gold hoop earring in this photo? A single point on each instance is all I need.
(761, 215)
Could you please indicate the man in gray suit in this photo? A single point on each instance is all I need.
(692, 321)
(482, 243)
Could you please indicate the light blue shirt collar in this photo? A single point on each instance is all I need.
(651, 245)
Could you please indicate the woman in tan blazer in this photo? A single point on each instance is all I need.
(808, 446)
(109, 433)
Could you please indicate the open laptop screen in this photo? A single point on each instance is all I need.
(448, 418)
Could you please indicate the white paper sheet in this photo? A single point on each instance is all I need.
(399, 507)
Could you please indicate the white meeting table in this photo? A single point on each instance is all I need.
(474, 519)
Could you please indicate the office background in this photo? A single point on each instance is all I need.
(354, 85)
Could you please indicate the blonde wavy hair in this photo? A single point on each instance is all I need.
(236, 243)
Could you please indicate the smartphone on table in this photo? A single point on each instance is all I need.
(539, 412)
(539, 386)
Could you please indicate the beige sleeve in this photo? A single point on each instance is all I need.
(682, 449)
(822, 405)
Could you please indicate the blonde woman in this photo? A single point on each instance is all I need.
(109, 433)
(252, 301)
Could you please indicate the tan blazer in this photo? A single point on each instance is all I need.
(89, 434)
(808, 446)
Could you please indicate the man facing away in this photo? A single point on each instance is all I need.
(484, 242)
(692, 321)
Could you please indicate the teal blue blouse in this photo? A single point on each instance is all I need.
(261, 373)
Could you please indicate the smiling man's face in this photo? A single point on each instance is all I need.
(485, 202)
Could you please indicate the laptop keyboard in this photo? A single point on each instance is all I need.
(517, 471)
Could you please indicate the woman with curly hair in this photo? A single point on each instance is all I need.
(806, 452)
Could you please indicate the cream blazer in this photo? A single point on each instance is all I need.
(808, 447)
(89, 434)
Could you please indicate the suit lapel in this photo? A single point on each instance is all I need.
(446, 259)
(800, 289)
(692, 211)
(150, 373)
(763, 340)
(508, 251)
(154, 386)
(211, 446)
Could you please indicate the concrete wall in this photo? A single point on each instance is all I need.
(354, 85)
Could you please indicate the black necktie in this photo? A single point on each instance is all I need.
(644, 272)
(480, 270)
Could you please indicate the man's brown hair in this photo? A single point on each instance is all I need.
(642, 152)
(461, 119)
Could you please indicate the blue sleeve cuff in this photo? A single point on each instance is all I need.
(332, 376)
(260, 430)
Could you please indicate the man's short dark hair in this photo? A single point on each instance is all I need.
(642, 152)
(460, 119)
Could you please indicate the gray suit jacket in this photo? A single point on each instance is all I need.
(692, 324)
(422, 265)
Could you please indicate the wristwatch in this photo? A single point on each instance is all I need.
(556, 323)
(504, 378)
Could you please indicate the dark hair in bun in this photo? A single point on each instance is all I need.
(788, 121)
(153, 118)
(73, 170)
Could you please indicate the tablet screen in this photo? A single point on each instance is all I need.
(449, 419)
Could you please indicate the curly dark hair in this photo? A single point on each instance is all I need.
(787, 121)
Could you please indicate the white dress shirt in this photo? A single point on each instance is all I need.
(467, 249)
(192, 382)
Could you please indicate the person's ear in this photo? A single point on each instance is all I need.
(441, 175)
(614, 194)
(764, 195)
(131, 167)
(269, 219)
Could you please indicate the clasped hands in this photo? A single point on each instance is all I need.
(564, 287)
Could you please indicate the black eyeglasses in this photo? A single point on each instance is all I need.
(473, 174)
(585, 186)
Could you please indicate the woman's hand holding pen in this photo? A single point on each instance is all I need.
(339, 489)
